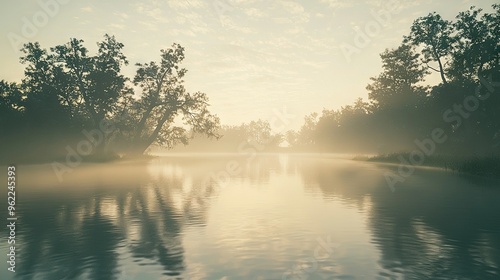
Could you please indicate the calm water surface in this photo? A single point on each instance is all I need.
(237, 217)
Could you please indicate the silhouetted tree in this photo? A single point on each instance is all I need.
(163, 99)
(398, 85)
(477, 50)
(434, 34)
(66, 91)
(402, 108)
(66, 83)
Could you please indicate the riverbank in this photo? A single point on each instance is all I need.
(73, 159)
(485, 166)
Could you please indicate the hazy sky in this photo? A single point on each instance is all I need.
(252, 57)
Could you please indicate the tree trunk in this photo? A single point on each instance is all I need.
(441, 71)
(140, 145)
(441, 68)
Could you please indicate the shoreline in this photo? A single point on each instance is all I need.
(477, 166)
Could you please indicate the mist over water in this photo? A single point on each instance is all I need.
(229, 139)
(302, 216)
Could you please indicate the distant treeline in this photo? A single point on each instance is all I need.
(403, 112)
(462, 111)
(253, 137)
(71, 102)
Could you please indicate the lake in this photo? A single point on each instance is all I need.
(297, 216)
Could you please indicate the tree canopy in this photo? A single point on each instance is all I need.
(403, 107)
(68, 94)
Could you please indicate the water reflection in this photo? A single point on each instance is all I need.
(435, 226)
(71, 232)
(185, 217)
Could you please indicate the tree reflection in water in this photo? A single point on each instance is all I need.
(128, 220)
(70, 233)
(435, 226)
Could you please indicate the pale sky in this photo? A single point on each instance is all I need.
(252, 57)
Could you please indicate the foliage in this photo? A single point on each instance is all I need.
(255, 135)
(402, 107)
(67, 93)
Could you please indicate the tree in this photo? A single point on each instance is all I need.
(163, 99)
(307, 133)
(66, 91)
(85, 89)
(477, 50)
(398, 85)
(434, 34)
(397, 96)
(10, 104)
(255, 136)
(291, 137)
(11, 115)
(403, 110)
